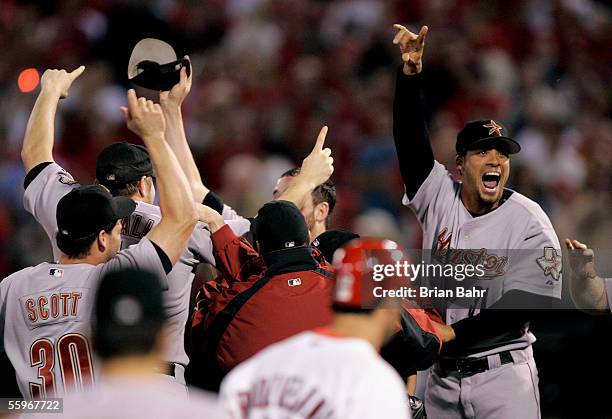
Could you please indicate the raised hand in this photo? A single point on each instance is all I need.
(144, 118)
(179, 91)
(59, 81)
(582, 259)
(318, 166)
(412, 46)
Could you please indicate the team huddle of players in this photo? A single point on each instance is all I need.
(283, 331)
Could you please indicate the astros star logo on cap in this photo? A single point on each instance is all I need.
(494, 127)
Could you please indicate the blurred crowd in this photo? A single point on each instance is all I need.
(269, 73)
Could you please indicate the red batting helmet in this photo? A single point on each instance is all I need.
(360, 269)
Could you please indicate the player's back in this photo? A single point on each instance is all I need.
(315, 374)
(46, 314)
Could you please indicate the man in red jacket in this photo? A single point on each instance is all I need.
(263, 295)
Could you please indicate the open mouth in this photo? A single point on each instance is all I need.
(490, 180)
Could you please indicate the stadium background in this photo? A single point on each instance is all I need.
(269, 73)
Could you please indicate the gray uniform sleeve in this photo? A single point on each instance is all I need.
(42, 195)
(142, 256)
(200, 245)
(228, 213)
(435, 196)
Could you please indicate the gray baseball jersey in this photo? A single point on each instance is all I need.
(41, 198)
(45, 320)
(516, 242)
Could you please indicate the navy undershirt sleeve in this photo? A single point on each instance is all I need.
(410, 132)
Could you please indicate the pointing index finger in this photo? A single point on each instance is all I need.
(321, 138)
(132, 101)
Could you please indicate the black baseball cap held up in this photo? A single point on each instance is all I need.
(485, 134)
(279, 225)
(153, 65)
(86, 210)
(123, 163)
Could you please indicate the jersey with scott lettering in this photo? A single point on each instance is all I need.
(515, 244)
(315, 374)
(53, 182)
(45, 320)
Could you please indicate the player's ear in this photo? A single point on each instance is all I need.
(459, 160)
(321, 211)
(102, 241)
(142, 186)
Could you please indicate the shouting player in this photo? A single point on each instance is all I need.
(487, 367)
(45, 311)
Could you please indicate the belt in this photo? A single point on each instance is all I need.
(470, 366)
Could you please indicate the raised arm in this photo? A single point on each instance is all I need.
(38, 141)
(587, 289)
(316, 168)
(171, 102)
(179, 216)
(409, 127)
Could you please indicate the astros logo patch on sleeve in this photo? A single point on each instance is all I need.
(550, 263)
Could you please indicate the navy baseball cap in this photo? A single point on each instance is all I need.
(86, 210)
(485, 134)
(153, 65)
(279, 225)
(129, 313)
(122, 163)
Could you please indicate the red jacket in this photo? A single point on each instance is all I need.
(259, 300)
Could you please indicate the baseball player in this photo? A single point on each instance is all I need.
(128, 338)
(589, 291)
(45, 311)
(126, 170)
(330, 372)
(487, 367)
